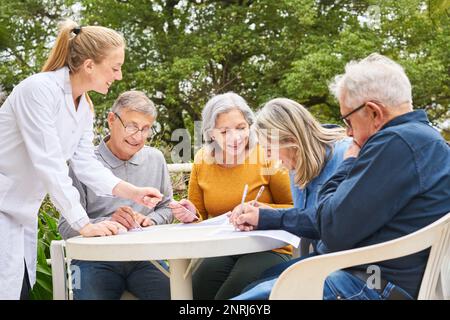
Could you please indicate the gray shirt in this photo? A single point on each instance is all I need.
(147, 168)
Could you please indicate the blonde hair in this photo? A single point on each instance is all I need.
(76, 44)
(291, 125)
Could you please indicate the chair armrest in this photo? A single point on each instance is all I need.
(305, 279)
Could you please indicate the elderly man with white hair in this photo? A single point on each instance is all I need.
(394, 181)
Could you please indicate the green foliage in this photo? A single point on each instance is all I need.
(47, 232)
(182, 52)
(27, 30)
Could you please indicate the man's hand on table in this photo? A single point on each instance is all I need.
(103, 228)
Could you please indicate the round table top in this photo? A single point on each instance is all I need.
(169, 242)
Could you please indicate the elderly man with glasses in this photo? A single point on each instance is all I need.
(125, 154)
(394, 181)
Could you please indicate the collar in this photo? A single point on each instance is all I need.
(63, 81)
(413, 116)
(113, 161)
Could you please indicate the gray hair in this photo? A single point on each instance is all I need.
(375, 77)
(220, 104)
(134, 101)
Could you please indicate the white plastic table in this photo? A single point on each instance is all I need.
(180, 245)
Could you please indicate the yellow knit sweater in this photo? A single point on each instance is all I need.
(215, 190)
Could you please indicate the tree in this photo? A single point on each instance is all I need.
(27, 32)
(182, 52)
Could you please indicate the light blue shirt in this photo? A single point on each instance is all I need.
(308, 197)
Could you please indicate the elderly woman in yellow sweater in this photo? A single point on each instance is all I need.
(230, 159)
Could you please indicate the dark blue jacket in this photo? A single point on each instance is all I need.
(399, 183)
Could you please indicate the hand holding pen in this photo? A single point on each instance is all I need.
(184, 211)
(130, 219)
(245, 217)
(255, 202)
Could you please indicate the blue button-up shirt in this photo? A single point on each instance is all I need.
(399, 183)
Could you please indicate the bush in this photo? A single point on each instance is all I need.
(47, 232)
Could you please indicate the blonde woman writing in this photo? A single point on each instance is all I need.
(312, 153)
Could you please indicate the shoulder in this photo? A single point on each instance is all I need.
(201, 157)
(40, 82)
(388, 144)
(417, 141)
(40, 86)
(415, 134)
(340, 146)
(97, 151)
(153, 154)
(199, 154)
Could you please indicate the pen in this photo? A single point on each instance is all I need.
(176, 203)
(138, 226)
(244, 195)
(259, 194)
(190, 212)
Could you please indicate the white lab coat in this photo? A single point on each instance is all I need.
(40, 130)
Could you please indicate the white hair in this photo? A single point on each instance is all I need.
(374, 78)
(134, 101)
(220, 104)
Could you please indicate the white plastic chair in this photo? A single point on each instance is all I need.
(60, 275)
(305, 279)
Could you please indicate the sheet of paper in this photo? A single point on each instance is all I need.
(224, 228)
(216, 221)
(277, 234)
(221, 220)
(274, 234)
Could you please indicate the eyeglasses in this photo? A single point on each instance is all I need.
(344, 118)
(131, 129)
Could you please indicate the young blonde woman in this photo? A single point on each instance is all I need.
(46, 121)
(312, 152)
(230, 159)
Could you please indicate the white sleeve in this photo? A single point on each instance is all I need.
(88, 169)
(35, 113)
